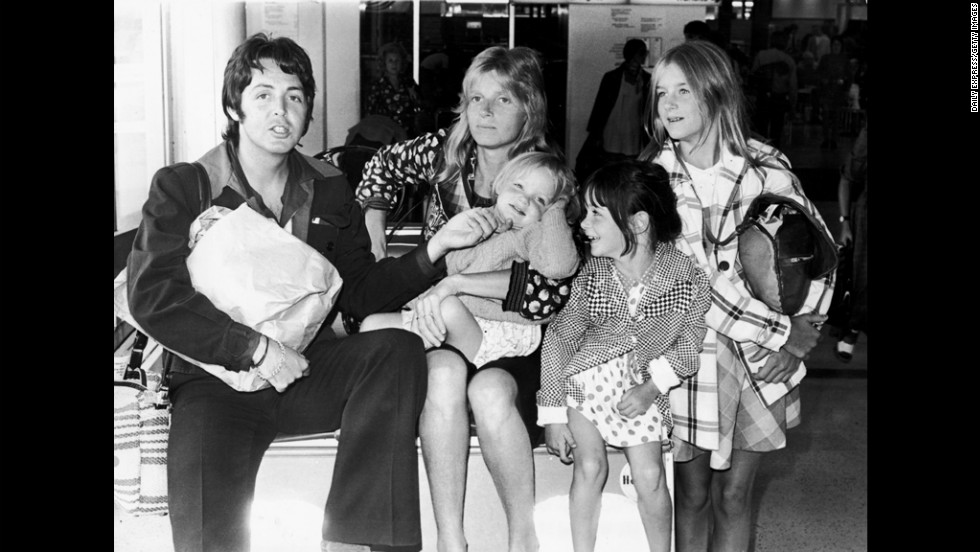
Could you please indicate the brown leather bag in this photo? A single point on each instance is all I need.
(782, 249)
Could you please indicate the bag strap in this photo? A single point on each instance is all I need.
(752, 217)
(134, 370)
(204, 193)
(204, 186)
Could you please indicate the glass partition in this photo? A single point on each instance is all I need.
(450, 34)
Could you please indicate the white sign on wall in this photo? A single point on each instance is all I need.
(280, 19)
(596, 36)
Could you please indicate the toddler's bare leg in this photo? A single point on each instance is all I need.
(463, 332)
(382, 321)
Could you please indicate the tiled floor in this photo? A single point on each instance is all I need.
(812, 496)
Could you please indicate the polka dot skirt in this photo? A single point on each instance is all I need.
(603, 388)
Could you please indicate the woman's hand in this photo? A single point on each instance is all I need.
(804, 333)
(559, 441)
(293, 366)
(428, 322)
(465, 229)
(637, 400)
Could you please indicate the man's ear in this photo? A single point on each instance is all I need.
(232, 115)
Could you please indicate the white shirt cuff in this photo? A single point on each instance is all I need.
(552, 415)
(663, 375)
(770, 337)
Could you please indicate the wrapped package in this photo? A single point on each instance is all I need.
(261, 276)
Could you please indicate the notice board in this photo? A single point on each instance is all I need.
(596, 35)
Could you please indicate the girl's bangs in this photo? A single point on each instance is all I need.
(595, 194)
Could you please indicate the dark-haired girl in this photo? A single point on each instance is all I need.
(631, 331)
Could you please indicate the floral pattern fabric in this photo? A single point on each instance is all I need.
(395, 102)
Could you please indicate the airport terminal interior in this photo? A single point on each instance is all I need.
(809, 497)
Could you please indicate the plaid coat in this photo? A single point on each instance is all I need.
(742, 330)
(663, 339)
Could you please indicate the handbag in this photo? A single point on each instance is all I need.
(141, 427)
(141, 407)
(782, 249)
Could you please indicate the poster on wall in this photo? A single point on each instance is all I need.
(596, 36)
(281, 19)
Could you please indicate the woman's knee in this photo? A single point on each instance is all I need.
(492, 392)
(446, 378)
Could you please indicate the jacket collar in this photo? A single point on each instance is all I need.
(670, 158)
(221, 164)
(669, 265)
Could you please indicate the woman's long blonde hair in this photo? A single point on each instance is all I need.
(708, 71)
(520, 70)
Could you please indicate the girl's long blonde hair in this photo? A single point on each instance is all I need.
(520, 70)
(708, 71)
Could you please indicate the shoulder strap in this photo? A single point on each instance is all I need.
(163, 392)
(204, 186)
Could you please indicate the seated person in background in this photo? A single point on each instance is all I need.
(535, 191)
(372, 387)
(395, 94)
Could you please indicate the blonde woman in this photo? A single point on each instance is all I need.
(502, 113)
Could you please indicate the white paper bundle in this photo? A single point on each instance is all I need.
(263, 277)
(260, 275)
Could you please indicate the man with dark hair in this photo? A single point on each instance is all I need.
(615, 126)
(371, 386)
(697, 30)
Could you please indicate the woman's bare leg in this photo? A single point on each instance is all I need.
(445, 432)
(506, 451)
